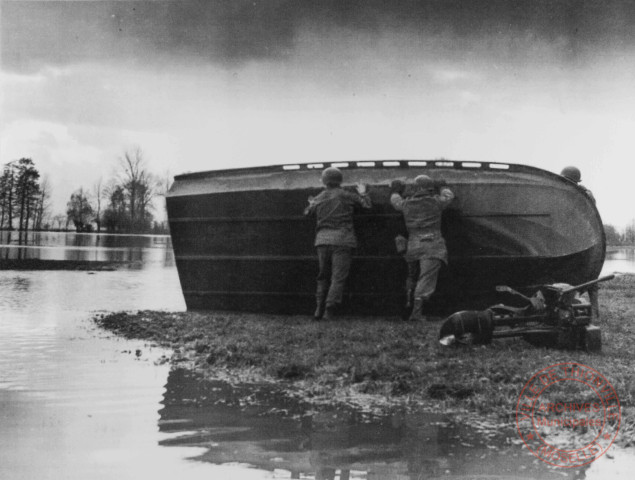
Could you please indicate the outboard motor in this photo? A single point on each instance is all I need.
(555, 316)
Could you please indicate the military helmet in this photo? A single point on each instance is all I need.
(423, 182)
(332, 177)
(572, 173)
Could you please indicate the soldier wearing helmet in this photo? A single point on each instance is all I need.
(335, 238)
(573, 174)
(426, 251)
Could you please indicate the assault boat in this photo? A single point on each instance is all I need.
(241, 241)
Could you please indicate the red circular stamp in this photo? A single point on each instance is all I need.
(568, 415)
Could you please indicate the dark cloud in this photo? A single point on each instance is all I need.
(230, 31)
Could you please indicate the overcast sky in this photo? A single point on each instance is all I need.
(211, 84)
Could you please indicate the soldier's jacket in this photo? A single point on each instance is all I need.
(587, 191)
(422, 214)
(334, 209)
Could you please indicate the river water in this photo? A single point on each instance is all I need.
(77, 403)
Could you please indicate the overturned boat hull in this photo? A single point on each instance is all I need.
(241, 241)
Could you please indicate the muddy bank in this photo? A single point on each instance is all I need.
(37, 264)
(381, 362)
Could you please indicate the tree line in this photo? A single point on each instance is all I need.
(24, 196)
(123, 204)
(623, 237)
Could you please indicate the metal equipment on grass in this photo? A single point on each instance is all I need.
(555, 316)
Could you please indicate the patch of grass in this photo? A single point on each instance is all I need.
(388, 358)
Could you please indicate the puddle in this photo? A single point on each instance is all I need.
(259, 427)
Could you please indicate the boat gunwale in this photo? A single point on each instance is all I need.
(466, 165)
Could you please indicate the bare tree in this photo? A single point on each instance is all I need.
(140, 187)
(98, 190)
(116, 218)
(132, 164)
(60, 220)
(79, 210)
(27, 190)
(43, 203)
(629, 234)
(166, 183)
(7, 190)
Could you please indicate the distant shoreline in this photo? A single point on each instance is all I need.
(73, 232)
(37, 264)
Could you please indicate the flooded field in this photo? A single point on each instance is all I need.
(141, 250)
(78, 403)
(619, 259)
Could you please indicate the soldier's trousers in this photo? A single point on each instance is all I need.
(423, 273)
(335, 263)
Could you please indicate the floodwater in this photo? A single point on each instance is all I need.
(77, 403)
(620, 260)
(137, 250)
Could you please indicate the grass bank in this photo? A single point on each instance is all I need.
(384, 361)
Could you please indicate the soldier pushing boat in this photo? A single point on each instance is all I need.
(335, 238)
(426, 251)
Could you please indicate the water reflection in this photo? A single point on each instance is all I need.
(83, 239)
(259, 426)
(137, 251)
(75, 403)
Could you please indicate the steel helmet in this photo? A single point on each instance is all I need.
(572, 173)
(423, 182)
(332, 177)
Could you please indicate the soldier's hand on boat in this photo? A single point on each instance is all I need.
(397, 186)
(309, 208)
(361, 188)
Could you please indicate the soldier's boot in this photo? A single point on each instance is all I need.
(407, 308)
(417, 311)
(320, 299)
(410, 292)
(319, 308)
(330, 312)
